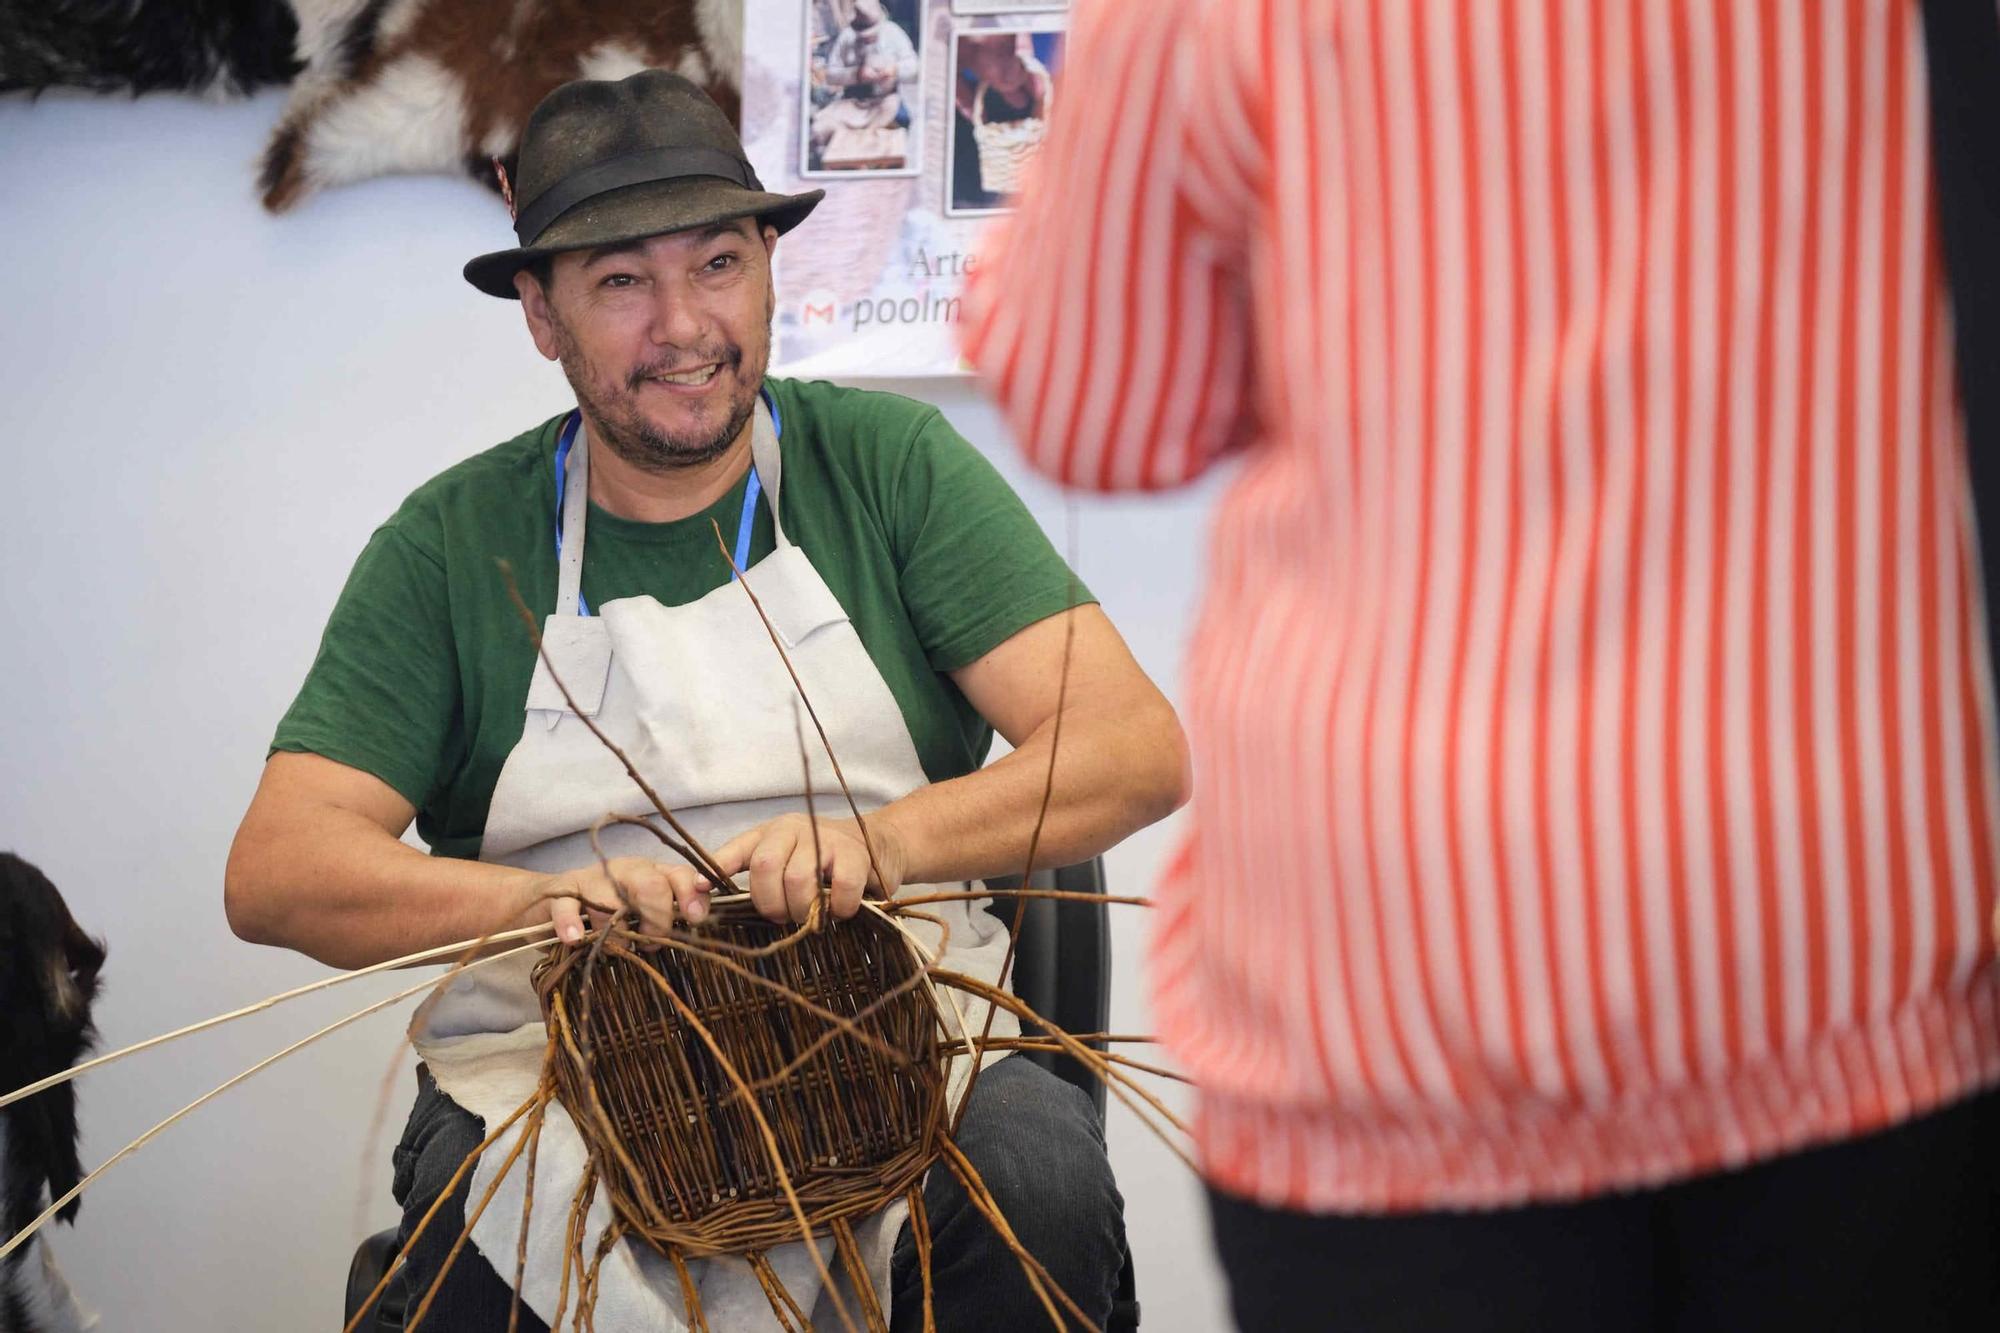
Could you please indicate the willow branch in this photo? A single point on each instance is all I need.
(742, 579)
(431, 955)
(22, 1236)
(701, 859)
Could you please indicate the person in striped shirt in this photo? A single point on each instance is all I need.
(1583, 917)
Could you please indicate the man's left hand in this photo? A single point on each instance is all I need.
(784, 880)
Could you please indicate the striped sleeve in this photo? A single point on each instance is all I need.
(1110, 319)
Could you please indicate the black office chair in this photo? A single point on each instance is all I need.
(1062, 970)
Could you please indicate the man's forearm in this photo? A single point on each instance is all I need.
(1113, 776)
(335, 886)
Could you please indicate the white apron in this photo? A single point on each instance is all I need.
(697, 697)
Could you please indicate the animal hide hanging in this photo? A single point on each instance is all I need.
(218, 47)
(48, 979)
(447, 85)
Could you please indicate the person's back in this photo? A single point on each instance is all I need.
(1590, 701)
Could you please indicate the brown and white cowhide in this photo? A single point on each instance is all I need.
(446, 85)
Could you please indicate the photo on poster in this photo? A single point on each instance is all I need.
(1003, 86)
(862, 102)
(1008, 6)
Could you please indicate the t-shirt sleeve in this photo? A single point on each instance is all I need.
(975, 567)
(383, 691)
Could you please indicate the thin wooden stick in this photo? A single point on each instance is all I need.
(586, 1306)
(940, 997)
(701, 858)
(920, 1232)
(437, 1205)
(1114, 1038)
(540, 1116)
(783, 1305)
(579, 1209)
(1097, 1061)
(825, 1039)
(140, 1142)
(744, 581)
(1034, 837)
(378, 1120)
(1057, 1048)
(421, 1015)
(805, 928)
(824, 898)
(645, 822)
(709, 952)
(987, 1207)
(1053, 895)
(857, 1273)
(471, 1221)
(431, 955)
(527, 1216)
(697, 1318)
(1113, 1080)
(784, 1177)
(560, 1013)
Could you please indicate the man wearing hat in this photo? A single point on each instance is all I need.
(919, 603)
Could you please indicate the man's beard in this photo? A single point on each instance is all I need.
(617, 420)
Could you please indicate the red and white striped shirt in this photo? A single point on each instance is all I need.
(1596, 782)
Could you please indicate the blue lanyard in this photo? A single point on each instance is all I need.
(745, 521)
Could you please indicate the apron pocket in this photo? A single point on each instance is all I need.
(580, 648)
(796, 606)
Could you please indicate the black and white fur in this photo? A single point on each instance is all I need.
(220, 47)
(48, 979)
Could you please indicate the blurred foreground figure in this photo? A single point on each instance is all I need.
(1583, 922)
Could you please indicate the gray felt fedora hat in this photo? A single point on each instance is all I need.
(604, 161)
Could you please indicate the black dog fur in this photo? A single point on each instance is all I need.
(48, 979)
(141, 46)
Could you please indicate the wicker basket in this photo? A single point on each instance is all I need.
(1006, 149)
(683, 1158)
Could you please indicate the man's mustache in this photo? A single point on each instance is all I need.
(728, 354)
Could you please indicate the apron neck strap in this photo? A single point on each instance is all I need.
(573, 484)
(768, 463)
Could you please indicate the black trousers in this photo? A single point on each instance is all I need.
(1897, 1230)
(1034, 1139)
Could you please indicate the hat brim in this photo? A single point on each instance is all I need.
(650, 208)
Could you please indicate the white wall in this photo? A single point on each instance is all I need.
(207, 410)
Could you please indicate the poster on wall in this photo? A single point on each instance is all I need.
(920, 119)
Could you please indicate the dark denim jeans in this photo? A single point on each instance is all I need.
(1034, 1139)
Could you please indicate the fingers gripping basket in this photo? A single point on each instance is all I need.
(653, 1045)
(1007, 147)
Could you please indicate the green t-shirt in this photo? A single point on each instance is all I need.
(423, 671)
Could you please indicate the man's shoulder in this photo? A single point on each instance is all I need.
(843, 402)
(844, 420)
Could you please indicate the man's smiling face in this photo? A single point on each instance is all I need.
(664, 340)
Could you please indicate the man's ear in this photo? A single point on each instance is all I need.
(536, 310)
(770, 234)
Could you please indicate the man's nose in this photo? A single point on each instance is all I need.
(678, 320)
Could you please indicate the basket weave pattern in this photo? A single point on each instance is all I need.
(681, 1155)
(1005, 147)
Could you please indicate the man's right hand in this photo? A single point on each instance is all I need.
(655, 889)
(318, 866)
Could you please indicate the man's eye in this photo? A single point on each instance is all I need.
(617, 280)
(720, 262)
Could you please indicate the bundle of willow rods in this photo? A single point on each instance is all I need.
(828, 1029)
